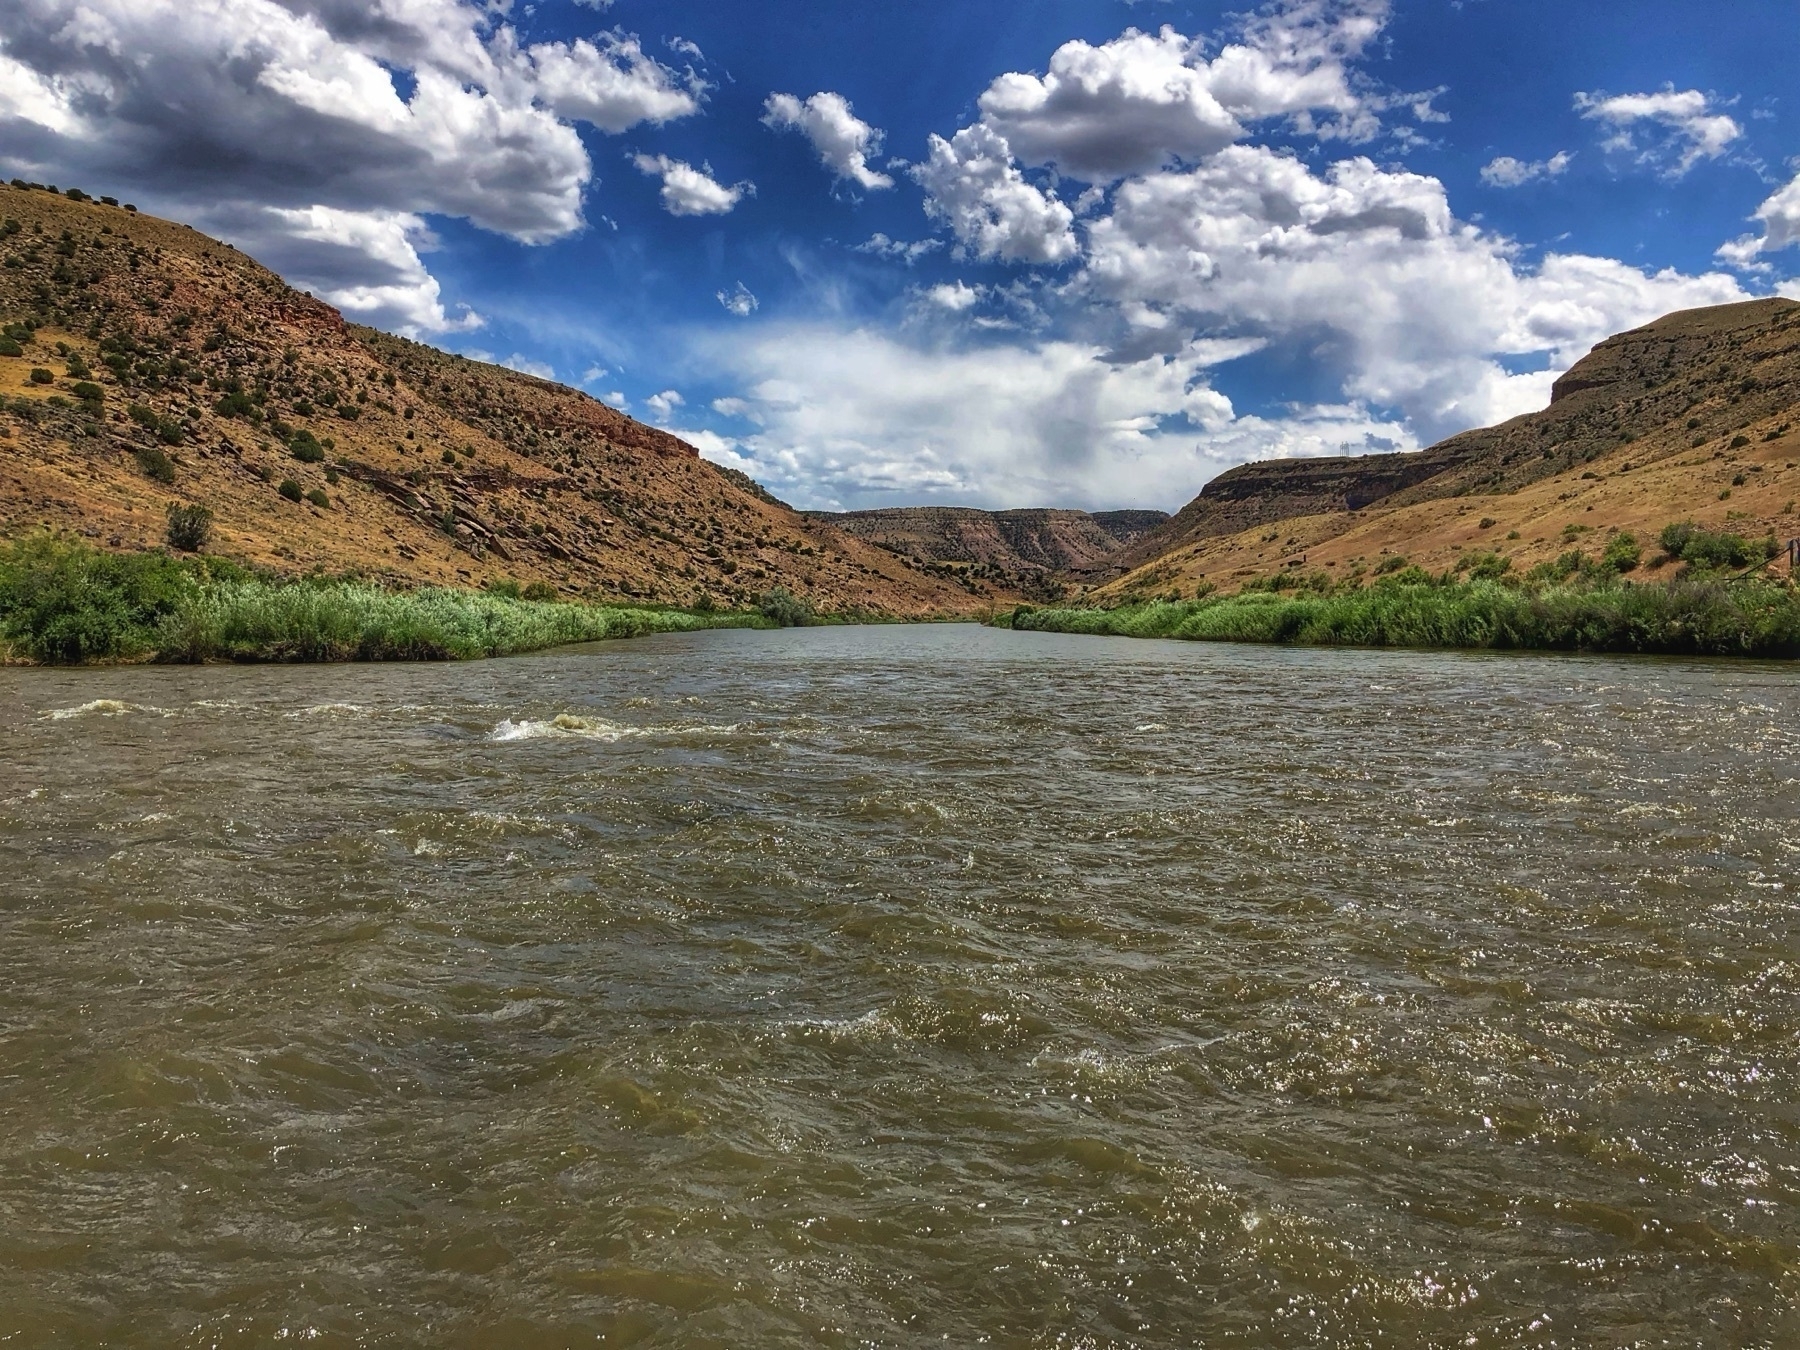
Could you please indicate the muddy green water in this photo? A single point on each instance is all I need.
(902, 988)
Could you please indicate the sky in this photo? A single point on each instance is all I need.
(1080, 253)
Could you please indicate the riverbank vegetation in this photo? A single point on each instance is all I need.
(62, 602)
(1713, 605)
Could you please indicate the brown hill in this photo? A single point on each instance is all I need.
(1694, 416)
(1024, 550)
(176, 370)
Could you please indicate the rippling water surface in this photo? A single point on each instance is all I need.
(902, 987)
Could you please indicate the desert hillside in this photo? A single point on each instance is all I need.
(146, 365)
(1693, 417)
(1028, 550)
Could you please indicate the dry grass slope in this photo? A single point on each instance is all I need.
(1694, 417)
(172, 369)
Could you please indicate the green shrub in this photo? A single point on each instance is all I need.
(41, 376)
(540, 591)
(290, 489)
(1392, 563)
(168, 429)
(190, 527)
(88, 392)
(1622, 553)
(62, 602)
(1484, 566)
(1689, 543)
(448, 457)
(8, 347)
(785, 608)
(1408, 575)
(318, 498)
(506, 588)
(235, 404)
(305, 447)
(153, 463)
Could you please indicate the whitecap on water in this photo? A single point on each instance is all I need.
(103, 707)
(598, 729)
(563, 724)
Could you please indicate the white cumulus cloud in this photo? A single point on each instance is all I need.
(842, 140)
(687, 191)
(1507, 172)
(858, 418)
(973, 185)
(662, 406)
(954, 296)
(1101, 113)
(1780, 219)
(286, 113)
(1672, 130)
(1191, 246)
(1420, 308)
(366, 263)
(609, 83)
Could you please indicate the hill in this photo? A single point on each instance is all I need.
(147, 366)
(1695, 416)
(1025, 550)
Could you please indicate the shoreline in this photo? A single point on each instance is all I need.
(1686, 616)
(65, 604)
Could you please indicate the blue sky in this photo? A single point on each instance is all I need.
(1077, 252)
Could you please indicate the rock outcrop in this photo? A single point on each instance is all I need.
(1684, 381)
(1025, 549)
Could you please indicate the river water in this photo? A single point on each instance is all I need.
(902, 987)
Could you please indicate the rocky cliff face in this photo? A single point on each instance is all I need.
(176, 370)
(1668, 387)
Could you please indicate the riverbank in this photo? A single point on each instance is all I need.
(64, 603)
(1683, 617)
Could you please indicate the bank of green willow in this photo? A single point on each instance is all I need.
(1688, 617)
(65, 603)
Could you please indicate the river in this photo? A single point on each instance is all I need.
(902, 987)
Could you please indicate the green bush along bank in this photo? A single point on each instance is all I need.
(1573, 604)
(63, 602)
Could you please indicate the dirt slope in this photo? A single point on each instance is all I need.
(438, 469)
(1024, 550)
(1695, 416)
